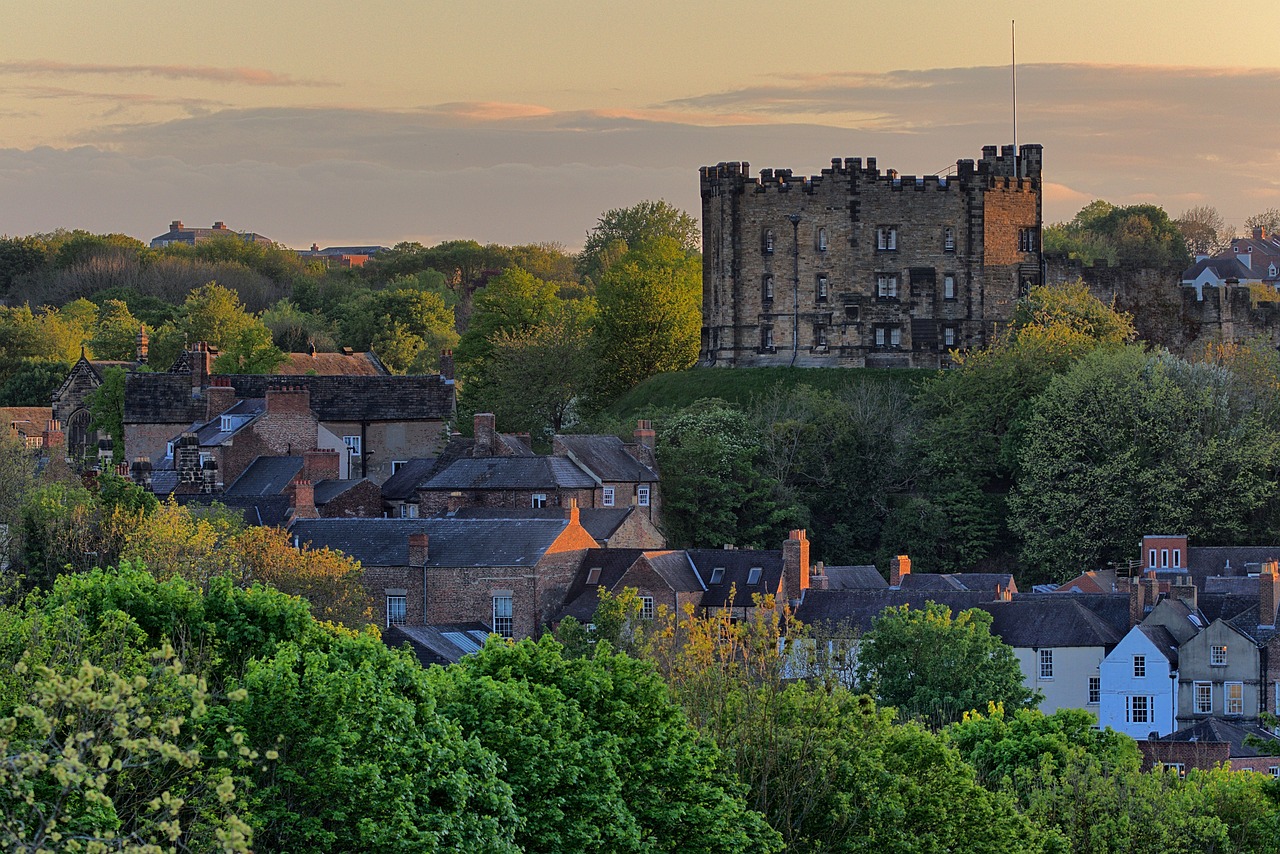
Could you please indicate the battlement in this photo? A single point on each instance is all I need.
(995, 164)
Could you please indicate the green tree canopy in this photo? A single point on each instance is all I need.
(933, 666)
(1141, 235)
(623, 229)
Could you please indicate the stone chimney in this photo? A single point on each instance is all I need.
(201, 366)
(573, 515)
(219, 226)
(289, 400)
(1143, 594)
(446, 364)
(176, 225)
(140, 355)
(899, 568)
(53, 437)
(818, 577)
(646, 441)
(1268, 590)
(486, 433)
(417, 550)
(1003, 593)
(219, 396)
(795, 566)
(140, 472)
(304, 500)
(320, 464)
(1184, 590)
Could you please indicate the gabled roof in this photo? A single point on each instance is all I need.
(1162, 641)
(975, 581)
(601, 522)
(1225, 606)
(674, 568)
(607, 458)
(737, 565)
(854, 578)
(30, 420)
(166, 398)
(1222, 268)
(266, 476)
(451, 542)
(327, 490)
(855, 609)
(257, 510)
(1206, 561)
(210, 434)
(511, 473)
(1219, 731)
(403, 485)
(582, 598)
(1246, 622)
(443, 644)
(1052, 620)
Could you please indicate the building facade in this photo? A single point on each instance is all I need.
(862, 268)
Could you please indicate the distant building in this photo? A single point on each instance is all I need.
(340, 256)
(179, 233)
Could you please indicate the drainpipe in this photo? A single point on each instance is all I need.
(795, 287)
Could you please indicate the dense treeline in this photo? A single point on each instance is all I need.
(542, 335)
(1049, 453)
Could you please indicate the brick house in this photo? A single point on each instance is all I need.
(509, 574)
(1208, 743)
(661, 578)
(71, 400)
(626, 474)
(611, 527)
(378, 420)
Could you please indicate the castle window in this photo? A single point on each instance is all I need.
(887, 237)
(820, 336)
(766, 288)
(822, 240)
(1026, 240)
(766, 244)
(886, 286)
(766, 338)
(949, 336)
(822, 287)
(948, 286)
(948, 240)
(888, 336)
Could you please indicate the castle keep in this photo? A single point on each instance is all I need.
(855, 267)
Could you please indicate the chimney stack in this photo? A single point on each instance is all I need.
(795, 566)
(417, 550)
(573, 514)
(53, 436)
(486, 432)
(320, 464)
(1268, 588)
(899, 569)
(141, 346)
(446, 364)
(201, 366)
(304, 500)
(219, 396)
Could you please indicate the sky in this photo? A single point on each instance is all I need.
(521, 122)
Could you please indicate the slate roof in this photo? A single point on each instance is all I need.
(582, 598)
(1239, 585)
(266, 476)
(856, 609)
(854, 578)
(737, 564)
(1219, 731)
(166, 398)
(1246, 622)
(601, 522)
(332, 365)
(511, 473)
(606, 457)
(442, 644)
(1222, 268)
(1225, 606)
(327, 490)
(210, 434)
(403, 485)
(451, 543)
(976, 581)
(1053, 620)
(1163, 641)
(1206, 561)
(674, 568)
(260, 510)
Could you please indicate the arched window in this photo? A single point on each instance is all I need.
(81, 441)
(822, 239)
(767, 241)
(766, 287)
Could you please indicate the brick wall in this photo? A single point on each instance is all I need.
(431, 502)
(378, 580)
(1203, 755)
(637, 532)
(362, 500)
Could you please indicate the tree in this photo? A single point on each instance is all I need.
(20, 256)
(1269, 220)
(598, 756)
(1204, 230)
(650, 315)
(116, 334)
(512, 303)
(1130, 442)
(623, 229)
(18, 474)
(536, 376)
(1140, 235)
(932, 666)
(406, 327)
(106, 410)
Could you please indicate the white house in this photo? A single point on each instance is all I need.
(1138, 690)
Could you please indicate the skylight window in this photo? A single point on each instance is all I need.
(717, 575)
(753, 576)
(593, 575)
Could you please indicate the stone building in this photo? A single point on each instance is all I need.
(857, 267)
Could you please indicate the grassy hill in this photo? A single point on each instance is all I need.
(666, 392)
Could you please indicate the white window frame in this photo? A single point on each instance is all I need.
(766, 338)
(1218, 655)
(642, 496)
(646, 607)
(396, 465)
(895, 336)
(887, 285)
(1046, 664)
(353, 445)
(880, 336)
(1202, 698)
(717, 575)
(948, 286)
(1135, 715)
(948, 240)
(593, 575)
(949, 336)
(1095, 690)
(606, 497)
(753, 575)
(887, 238)
(1274, 771)
(504, 616)
(1177, 558)
(408, 510)
(1139, 667)
(397, 610)
(1164, 558)
(538, 500)
(1233, 706)
(768, 241)
(822, 238)
(1151, 559)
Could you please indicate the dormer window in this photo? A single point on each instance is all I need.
(717, 575)
(227, 425)
(753, 575)
(168, 454)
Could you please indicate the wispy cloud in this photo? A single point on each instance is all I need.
(195, 105)
(241, 75)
